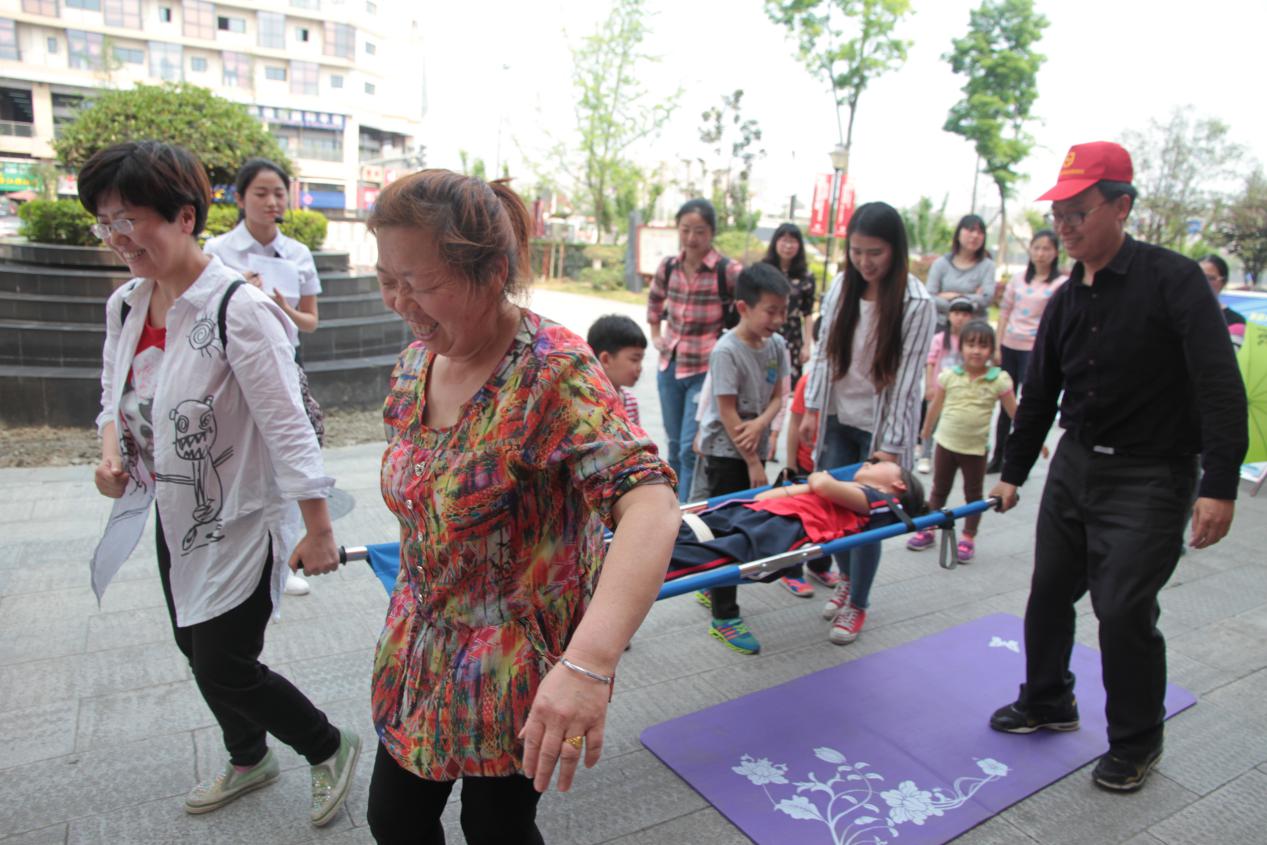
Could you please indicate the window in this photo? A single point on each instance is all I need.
(15, 106)
(227, 24)
(90, 5)
(198, 64)
(124, 13)
(272, 30)
(200, 20)
(85, 49)
(48, 8)
(370, 49)
(65, 110)
(52, 45)
(340, 40)
(9, 39)
(301, 34)
(336, 80)
(303, 78)
(369, 88)
(307, 142)
(165, 14)
(237, 70)
(277, 74)
(306, 4)
(167, 61)
(129, 55)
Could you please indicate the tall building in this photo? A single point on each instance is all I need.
(339, 83)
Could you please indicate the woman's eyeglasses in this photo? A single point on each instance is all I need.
(122, 226)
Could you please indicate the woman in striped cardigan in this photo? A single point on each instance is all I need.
(866, 381)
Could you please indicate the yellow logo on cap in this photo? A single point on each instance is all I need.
(1069, 158)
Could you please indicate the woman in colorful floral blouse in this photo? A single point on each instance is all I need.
(507, 455)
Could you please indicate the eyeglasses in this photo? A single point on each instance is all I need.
(1073, 219)
(122, 226)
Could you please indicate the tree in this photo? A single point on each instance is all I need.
(613, 109)
(1179, 167)
(929, 230)
(845, 43)
(998, 58)
(222, 134)
(1241, 226)
(732, 139)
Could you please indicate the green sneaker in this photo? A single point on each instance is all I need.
(703, 599)
(735, 634)
(231, 784)
(332, 778)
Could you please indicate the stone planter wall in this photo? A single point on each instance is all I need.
(52, 328)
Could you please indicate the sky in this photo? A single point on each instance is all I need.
(499, 86)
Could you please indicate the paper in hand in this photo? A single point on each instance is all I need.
(275, 274)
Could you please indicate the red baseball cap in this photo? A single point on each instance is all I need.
(1087, 164)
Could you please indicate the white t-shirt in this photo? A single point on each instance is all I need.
(854, 394)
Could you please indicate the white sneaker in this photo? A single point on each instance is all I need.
(923, 466)
(297, 585)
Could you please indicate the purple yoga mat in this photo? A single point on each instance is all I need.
(893, 746)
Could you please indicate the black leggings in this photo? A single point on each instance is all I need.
(404, 808)
(248, 699)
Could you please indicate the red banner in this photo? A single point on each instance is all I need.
(844, 208)
(820, 209)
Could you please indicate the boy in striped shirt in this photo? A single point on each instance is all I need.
(620, 346)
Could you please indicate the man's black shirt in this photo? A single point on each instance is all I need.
(1146, 365)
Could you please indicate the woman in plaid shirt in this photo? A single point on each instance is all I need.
(685, 292)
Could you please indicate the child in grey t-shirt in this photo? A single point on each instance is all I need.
(747, 371)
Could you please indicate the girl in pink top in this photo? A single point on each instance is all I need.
(1020, 311)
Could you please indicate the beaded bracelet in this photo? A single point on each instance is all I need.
(610, 680)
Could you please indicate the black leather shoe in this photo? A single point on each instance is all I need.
(1117, 774)
(1017, 718)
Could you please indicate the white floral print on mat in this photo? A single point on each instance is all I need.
(848, 803)
(1010, 645)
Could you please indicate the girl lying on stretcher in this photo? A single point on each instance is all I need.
(783, 519)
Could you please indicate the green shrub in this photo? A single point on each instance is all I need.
(307, 227)
(220, 219)
(64, 222)
(609, 254)
(741, 246)
(604, 278)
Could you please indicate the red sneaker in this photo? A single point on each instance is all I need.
(847, 625)
(839, 599)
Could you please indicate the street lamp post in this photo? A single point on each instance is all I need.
(839, 164)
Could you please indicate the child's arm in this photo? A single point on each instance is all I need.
(1009, 403)
(740, 432)
(930, 382)
(934, 411)
(847, 494)
(782, 492)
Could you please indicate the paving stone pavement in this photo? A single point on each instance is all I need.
(102, 730)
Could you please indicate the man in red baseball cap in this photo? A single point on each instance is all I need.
(1134, 351)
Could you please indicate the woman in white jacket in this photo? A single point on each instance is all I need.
(866, 380)
(200, 413)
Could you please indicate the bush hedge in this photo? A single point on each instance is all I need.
(62, 221)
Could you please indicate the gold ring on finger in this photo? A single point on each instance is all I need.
(575, 741)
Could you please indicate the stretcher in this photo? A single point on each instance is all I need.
(384, 558)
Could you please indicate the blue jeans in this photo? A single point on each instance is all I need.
(679, 400)
(844, 445)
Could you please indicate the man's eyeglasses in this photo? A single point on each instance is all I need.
(1072, 219)
(122, 226)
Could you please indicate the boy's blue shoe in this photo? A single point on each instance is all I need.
(735, 635)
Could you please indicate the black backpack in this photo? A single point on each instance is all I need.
(729, 314)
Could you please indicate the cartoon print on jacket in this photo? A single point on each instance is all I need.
(195, 438)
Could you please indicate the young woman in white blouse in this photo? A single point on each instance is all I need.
(201, 414)
(262, 192)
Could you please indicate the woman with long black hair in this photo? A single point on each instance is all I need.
(787, 252)
(866, 379)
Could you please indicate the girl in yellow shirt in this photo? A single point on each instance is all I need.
(964, 403)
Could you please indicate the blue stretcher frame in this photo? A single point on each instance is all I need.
(384, 558)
